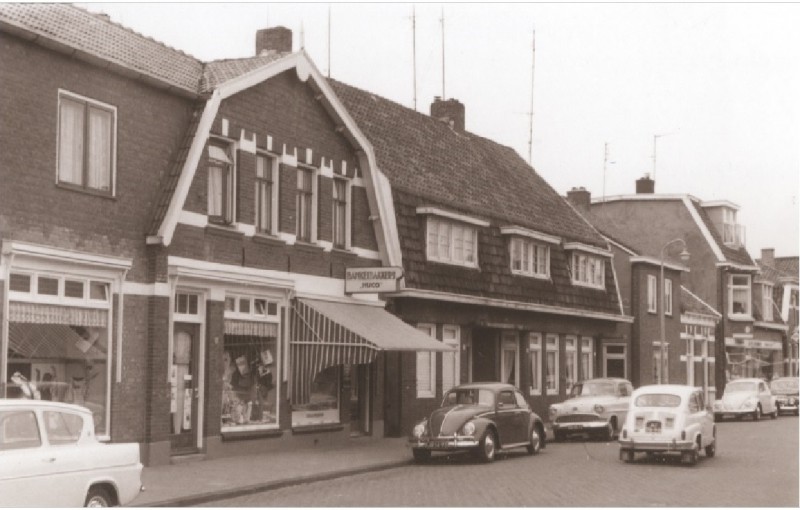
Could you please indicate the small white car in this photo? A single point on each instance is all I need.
(668, 419)
(746, 397)
(50, 457)
(596, 407)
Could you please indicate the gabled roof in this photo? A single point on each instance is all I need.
(218, 72)
(425, 157)
(92, 37)
(735, 255)
(609, 228)
(693, 304)
(789, 266)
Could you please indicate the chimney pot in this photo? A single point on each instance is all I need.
(580, 198)
(274, 39)
(645, 185)
(451, 111)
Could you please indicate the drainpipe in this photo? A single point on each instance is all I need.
(120, 319)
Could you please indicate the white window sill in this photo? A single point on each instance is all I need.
(453, 263)
(536, 393)
(740, 317)
(537, 276)
(588, 285)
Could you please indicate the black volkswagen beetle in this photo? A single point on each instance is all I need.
(483, 418)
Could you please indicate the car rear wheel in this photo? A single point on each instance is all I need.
(420, 455)
(535, 445)
(626, 455)
(757, 413)
(98, 498)
(487, 447)
(711, 449)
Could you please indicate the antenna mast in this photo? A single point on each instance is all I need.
(605, 163)
(414, 49)
(442, 20)
(530, 131)
(329, 40)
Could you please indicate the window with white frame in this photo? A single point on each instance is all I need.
(615, 361)
(221, 185)
(452, 242)
(535, 350)
(451, 361)
(766, 302)
(588, 270)
(571, 361)
(652, 294)
(551, 364)
(657, 379)
(529, 258)
(266, 194)
(86, 143)
(587, 358)
(304, 204)
(668, 296)
(426, 366)
(739, 294)
(340, 204)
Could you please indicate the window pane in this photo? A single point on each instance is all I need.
(215, 189)
(100, 125)
(244, 305)
(260, 306)
(71, 143)
(18, 429)
(48, 286)
(536, 378)
(249, 381)
(62, 428)
(73, 289)
(230, 304)
(98, 291)
(272, 308)
(19, 282)
(433, 239)
(551, 370)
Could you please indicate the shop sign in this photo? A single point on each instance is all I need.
(372, 279)
(753, 344)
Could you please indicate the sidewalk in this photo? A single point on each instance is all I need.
(203, 481)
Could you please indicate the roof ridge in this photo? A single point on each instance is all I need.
(107, 19)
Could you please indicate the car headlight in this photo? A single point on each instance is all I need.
(598, 409)
(419, 429)
(468, 429)
(553, 411)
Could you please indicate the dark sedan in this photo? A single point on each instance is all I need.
(786, 393)
(482, 418)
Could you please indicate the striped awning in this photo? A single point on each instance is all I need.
(326, 334)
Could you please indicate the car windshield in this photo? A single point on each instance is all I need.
(592, 388)
(469, 396)
(658, 400)
(784, 385)
(741, 386)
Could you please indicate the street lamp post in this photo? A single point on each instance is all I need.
(684, 257)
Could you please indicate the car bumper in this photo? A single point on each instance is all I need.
(578, 427)
(724, 413)
(786, 406)
(654, 445)
(444, 443)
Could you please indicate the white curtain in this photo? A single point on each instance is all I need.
(215, 191)
(99, 149)
(70, 147)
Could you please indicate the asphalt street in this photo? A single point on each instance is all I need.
(756, 465)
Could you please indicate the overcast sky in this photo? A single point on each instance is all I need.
(720, 82)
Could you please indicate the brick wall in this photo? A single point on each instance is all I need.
(150, 125)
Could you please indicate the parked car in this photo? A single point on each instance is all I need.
(595, 407)
(787, 396)
(50, 457)
(668, 419)
(482, 418)
(746, 397)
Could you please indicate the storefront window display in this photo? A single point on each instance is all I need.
(249, 382)
(323, 404)
(752, 358)
(58, 342)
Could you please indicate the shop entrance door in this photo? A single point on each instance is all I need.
(359, 402)
(485, 365)
(184, 389)
(509, 360)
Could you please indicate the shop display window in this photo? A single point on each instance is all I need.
(249, 382)
(323, 404)
(61, 362)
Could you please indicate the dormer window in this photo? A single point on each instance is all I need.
(588, 270)
(732, 232)
(529, 251)
(452, 238)
(766, 302)
(739, 295)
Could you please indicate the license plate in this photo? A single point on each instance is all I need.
(441, 444)
(574, 427)
(654, 426)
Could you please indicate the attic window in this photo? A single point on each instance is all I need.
(588, 270)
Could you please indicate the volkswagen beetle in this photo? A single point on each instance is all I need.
(746, 397)
(482, 418)
(596, 407)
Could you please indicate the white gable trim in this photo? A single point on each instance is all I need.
(526, 232)
(703, 229)
(620, 246)
(656, 262)
(378, 188)
(711, 308)
(436, 211)
(719, 203)
(587, 248)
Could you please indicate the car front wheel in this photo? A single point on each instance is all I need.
(535, 445)
(757, 413)
(487, 447)
(97, 498)
(711, 449)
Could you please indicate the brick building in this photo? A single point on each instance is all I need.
(496, 264)
(721, 273)
(181, 268)
(777, 302)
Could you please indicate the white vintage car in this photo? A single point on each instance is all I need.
(667, 419)
(596, 407)
(50, 457)
(746, 397)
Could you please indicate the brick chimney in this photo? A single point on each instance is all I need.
(450, 111)
(580, 198)
(768, 256)
(645, 185)
(274, 39)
